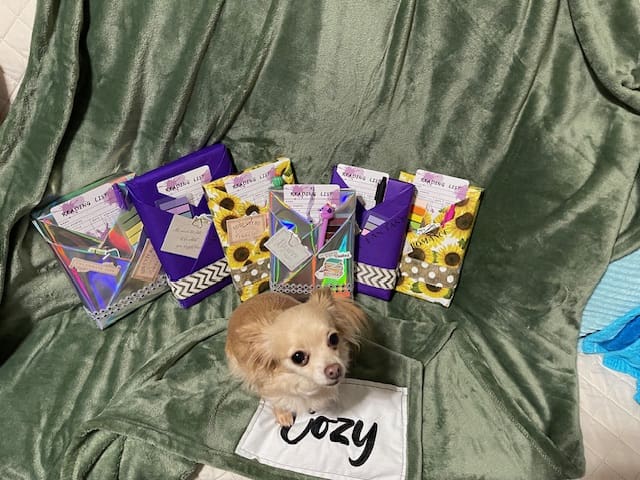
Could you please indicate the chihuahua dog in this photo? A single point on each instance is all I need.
(293, 354)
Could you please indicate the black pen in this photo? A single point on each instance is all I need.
(380, 189)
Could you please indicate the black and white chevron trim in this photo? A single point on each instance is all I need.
(198, 281)
(378, 277)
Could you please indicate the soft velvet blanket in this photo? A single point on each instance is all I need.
(536, 101)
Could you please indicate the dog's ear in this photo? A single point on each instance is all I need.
(260, 352)
(350, 319)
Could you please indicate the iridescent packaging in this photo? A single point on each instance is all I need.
(99, 241)
(309, 249)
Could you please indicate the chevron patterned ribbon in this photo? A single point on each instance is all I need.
(378, 277)
(198, 281)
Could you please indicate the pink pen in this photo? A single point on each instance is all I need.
(326, 214)
(449, 215)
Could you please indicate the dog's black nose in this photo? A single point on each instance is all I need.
(333, 371)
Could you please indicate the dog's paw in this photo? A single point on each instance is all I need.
(284, 417)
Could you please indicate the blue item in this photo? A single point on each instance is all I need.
(620, 345)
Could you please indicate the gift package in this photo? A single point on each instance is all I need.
(194, 226)
(312, 234)
(381, 215)
(440, 225)
(240, 211)
(102, 246)
(173, 207)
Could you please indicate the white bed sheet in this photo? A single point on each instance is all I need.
(16, 24)
(610, 417)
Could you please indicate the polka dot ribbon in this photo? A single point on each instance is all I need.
(250, 274)
(430, 273)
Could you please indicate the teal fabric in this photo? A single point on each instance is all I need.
(619, 344)
(536, 102)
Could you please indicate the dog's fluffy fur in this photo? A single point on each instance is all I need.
(293, 354)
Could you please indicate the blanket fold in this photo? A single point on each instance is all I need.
(536, 102)
(205, 412)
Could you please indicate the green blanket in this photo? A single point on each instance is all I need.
(535, 101)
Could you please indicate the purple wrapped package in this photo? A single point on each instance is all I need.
(382, 233)
(173, 208)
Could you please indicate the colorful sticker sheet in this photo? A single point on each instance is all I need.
(435, 246)
(239, 207)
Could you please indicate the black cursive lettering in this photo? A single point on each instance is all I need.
(319, 427)
(368, 441)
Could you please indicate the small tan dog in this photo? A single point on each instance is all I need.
(293, 354)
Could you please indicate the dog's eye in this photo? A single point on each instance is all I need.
(333, 340)
(300, 358)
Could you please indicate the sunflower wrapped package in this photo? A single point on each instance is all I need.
(240, 212)
(437, 238)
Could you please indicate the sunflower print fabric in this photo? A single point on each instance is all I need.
(431, 262)
(242, 224)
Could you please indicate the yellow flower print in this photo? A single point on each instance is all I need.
(254, 289)
(449, 255)
(460, 226)
(260, 247)
(239, 255)
(229, 202)
(432, 291)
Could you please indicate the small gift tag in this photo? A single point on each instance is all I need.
(148, 266)
(188, 184)
(246, 229)
(438, 191)
(288, 248)
(92, 213)
(81, 265)
(307, 200)
(185, 236)
(365, 182)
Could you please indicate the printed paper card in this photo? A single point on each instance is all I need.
(185, 236)
(308, 199)
(288, 248)
(362, 437)
(238, 205)
(188, 184)
(436, 191)
(253, 185)
(367, 183)
(92, 213)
